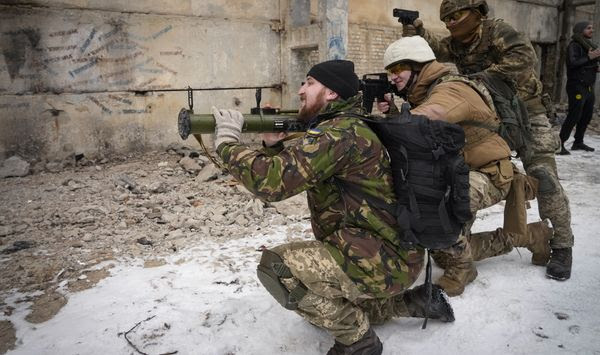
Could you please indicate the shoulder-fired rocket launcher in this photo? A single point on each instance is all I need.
(263, 120)
(260, 120)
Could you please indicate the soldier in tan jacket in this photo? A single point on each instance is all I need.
(436, 91)
(490, 45)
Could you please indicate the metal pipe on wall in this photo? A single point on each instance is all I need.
(565, 12)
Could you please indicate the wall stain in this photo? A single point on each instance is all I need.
(336, 47)
(15, 48)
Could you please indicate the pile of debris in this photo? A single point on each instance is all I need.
(62, 231)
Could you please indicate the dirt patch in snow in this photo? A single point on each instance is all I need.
(61, 232)
(8, 336)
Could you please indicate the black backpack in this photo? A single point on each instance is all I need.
(431, 178)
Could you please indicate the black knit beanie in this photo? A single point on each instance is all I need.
(579, 27)
(337, 75)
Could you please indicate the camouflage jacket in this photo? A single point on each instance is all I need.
(498, 48)
(341, 164)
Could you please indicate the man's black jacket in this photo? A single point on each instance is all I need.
(580, 69)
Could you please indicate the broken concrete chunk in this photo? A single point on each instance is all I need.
(190, 165)
(210, 172)
(203, 160)
(14, 167)
(256, 207)
(5, 230)
(158, 187)
(144, 241)
(54, 167)
(126, 182)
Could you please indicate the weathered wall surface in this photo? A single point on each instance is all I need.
(70, 69)
(367, 43)
(373, 28)
(67, 75)
(538, 22)
(233, 9)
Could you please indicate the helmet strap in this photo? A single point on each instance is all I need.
(413, 73)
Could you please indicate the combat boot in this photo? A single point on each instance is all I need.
(563, 150)
(559, 267)
(439, 307)
(457, 261)
(582, 146)
(369, 344)
(456, 277)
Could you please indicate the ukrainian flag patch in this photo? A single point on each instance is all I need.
(314, 132)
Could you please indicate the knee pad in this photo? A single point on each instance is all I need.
(548, 182)
(270, 271)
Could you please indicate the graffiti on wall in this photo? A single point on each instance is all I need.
(336, 48)
(90, 59)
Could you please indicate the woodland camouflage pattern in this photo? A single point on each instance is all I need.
(340, 163)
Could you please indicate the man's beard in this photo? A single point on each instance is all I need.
(308, 112)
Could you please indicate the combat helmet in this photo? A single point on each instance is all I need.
(408, 49)
(450, 6)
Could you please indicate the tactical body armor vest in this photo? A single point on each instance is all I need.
(501, 97)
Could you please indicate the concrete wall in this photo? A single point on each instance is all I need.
(373, 28)
(73, 72)
(67, 75)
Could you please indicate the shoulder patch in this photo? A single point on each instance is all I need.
(314, 132)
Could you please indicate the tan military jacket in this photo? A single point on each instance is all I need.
(457, 102)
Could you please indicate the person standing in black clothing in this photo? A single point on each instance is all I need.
(582, 66)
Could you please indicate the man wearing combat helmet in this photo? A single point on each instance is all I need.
(480, 44)
(434, 90)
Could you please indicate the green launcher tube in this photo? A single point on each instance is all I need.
(191, 123)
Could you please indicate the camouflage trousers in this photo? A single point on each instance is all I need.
(483, 194)
(539, 162)
(332, 301)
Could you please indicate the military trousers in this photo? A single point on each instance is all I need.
(539, 162)
(581, 109)
(482, 193)
(332, 301)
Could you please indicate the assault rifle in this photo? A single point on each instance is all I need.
(374, 86)
(406, 17)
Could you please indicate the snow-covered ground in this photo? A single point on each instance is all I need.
(207, 300)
